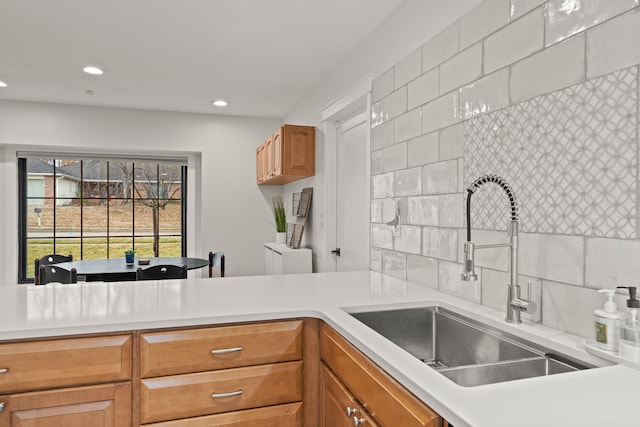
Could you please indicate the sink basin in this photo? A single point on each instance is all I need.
(464, 350)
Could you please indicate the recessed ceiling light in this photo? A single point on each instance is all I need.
(3, 84)
(220, 103)
(93, 70)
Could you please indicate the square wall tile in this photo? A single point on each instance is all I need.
(382, 136)
(461, 69)
(375, 261)
(487, 94)
(382, 186)
(451, 210)
(612, 262)
(440, 243)
(376, 162)
(423, 89)
(422, 271)
(551, 69)
(517, 40)
(424, 149)
(394, 157)
(520, 7)
(408, 125)
(452, 142)
(614, 44)
(423, 210)
(552, 257)
(394, 264)
(407, 182)
(441, 47)
(449, 281)
(408, 239)
(383, 85)
(408, 69)
(565, 19)
(440, 113)
(482, 20)
(439, 178)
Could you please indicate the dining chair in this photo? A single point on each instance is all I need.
(216, 259)
(53, 273)
(47, 260)
(160, 272)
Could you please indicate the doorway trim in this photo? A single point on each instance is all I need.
(353, 99)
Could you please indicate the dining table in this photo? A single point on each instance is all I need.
(116, 269)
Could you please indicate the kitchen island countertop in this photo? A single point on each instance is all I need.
(605, 396)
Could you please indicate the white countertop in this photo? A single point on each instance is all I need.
(606, 396)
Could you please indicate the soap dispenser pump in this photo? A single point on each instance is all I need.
(607, 323)
(630, 331)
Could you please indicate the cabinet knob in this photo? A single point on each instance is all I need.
(358, 421)
(1, 406)
(4, 370)
(351, 411)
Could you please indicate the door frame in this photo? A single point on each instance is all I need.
(351, 101)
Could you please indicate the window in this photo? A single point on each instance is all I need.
(98, 208)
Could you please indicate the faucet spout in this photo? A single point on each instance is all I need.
(515, 304)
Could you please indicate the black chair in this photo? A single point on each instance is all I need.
(53, 273)
(216, 260)
(161, 272)
(47, 260)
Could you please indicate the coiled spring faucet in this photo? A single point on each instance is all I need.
(515, 304)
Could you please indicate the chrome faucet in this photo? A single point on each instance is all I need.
(515, 304)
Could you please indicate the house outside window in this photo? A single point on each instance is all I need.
(95, 208)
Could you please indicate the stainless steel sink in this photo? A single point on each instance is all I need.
(464, 350)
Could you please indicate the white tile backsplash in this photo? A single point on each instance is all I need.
(482, 20)
(408, 69)
(463, 68)
(441, 112)
(423, 150)
(497, 92)
(614, 44)
(422, 271)
(487, 94)
(612, 262)
(441, 47)
(551, 69)
(517, 40)
(564, 19)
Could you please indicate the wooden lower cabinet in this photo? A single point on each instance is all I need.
(107, 405)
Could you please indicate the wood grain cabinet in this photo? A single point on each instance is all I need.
(287, 155)
(46, 382)
(189, 376)
(376, 398)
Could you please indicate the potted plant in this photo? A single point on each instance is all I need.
(281, 219)
(128, 256)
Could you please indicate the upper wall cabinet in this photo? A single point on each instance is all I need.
(287, 155)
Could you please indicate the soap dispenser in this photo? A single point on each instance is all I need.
(629, 345)
(607, 324)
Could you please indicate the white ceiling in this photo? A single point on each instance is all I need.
(179, 55)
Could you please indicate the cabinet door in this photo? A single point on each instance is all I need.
(268, 148)
(278, 263)
(299, 148)
(268, 260)
(259, 164)
(276, 148)
(96, 406)
(338, 407)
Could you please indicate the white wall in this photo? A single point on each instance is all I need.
(232, 213)
(406, 29)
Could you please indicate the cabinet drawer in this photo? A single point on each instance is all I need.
(204, 393)
(386, 400)
(196, 350)
(289, 415)
(106, 405)
(42, 364)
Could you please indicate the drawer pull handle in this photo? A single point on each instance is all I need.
(358, 421)
(233, 393)
(1, 406)
(351, 411)
(226, 350)
(4, 370)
